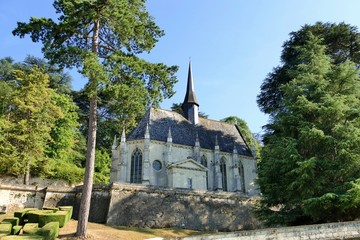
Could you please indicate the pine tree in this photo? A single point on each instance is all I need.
(102, 38)
(310, 167)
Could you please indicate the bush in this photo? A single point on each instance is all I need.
(13, 220)
(22, 214)
(31, 228)
(5, 228)
(69, 209)
(55, 209)
(59, 216)
(50, 231)
(16, 230)
(33, 216)
(23, 237)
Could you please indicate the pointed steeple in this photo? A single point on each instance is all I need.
(190, 105)
(190, 97)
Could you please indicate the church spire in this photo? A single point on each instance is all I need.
(190, 105)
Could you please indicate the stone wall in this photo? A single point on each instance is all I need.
(147, 206)
(341, 230)
(17, 196)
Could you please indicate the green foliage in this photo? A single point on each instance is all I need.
(59, 216)
(5, 228)
(342, 43)
(50, 231)
(310, 167)
(65, 170)
(102, 166)
(62, 143)
(249, 138)
(13, 220)
(31, 228)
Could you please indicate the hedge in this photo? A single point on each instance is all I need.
(13, 220)
(22, 214)
(33, 216)
(50, 231)
(31, 228)
(16, 230)
(23, 237)
(5, 228)
(60, 217)
(67, 208)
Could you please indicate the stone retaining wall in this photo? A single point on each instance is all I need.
(341, 230)
(147, 206)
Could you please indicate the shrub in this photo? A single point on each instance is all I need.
(23, 237)
(5, 228)
(33, 216)
(55, 209)
(16, 230)
(69, 209)
(59, 216)
(31, 228)
(50, 231)
(13, 220)
(22, 214)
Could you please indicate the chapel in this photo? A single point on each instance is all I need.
(175, 150)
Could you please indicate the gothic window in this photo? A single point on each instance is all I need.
(223, 173)
(204, 163)
(136, 166)
(242, 176)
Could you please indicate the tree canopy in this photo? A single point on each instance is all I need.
(342, 43)
(248, 136)
(310, 171)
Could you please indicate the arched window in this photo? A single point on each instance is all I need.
(242, 177)
(223, 172)
(136, 166)
(204, 163)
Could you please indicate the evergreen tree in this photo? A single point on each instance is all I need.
(29, 118)
(342, 43)
(102, 38)
(310, 169)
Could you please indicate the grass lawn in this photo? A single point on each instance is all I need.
(104, 232)
(101, 231)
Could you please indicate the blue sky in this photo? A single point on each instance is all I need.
(233, 44)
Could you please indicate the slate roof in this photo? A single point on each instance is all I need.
(184, 133)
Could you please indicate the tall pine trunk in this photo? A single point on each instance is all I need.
(27, 173)
(91, 144)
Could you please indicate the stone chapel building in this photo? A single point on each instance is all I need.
(185, 151)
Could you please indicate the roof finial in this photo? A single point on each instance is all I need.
(147, 132)
(197, 141)
(114, 143)
(123, 137)
(169, 137)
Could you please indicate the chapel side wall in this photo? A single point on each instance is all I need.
(180, 208)
(250, 175)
